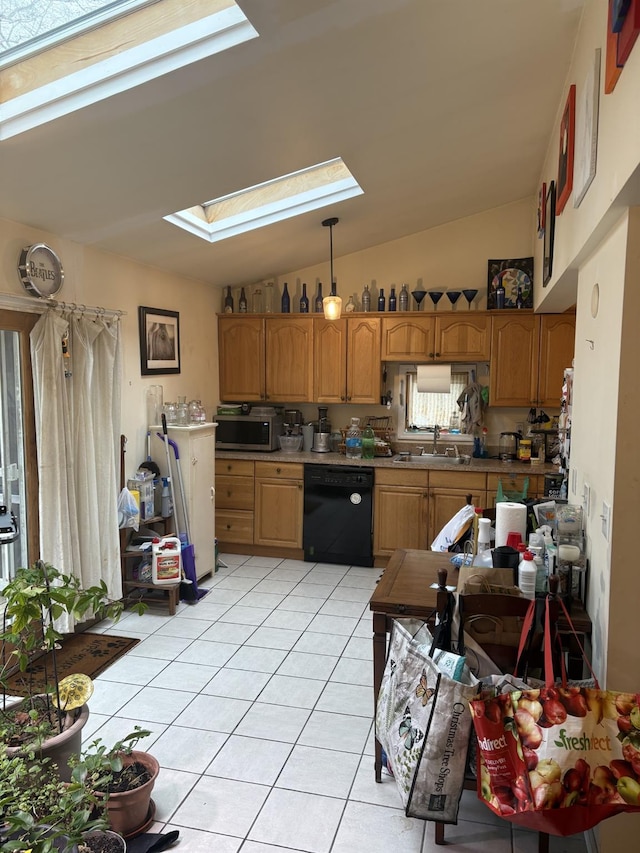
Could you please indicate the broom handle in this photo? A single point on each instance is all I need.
(183, 497)
(169, 474)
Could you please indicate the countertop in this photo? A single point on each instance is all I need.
(488, 466)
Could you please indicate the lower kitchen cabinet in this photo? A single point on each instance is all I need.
(512, 486)
(400, 510)
(279, 504)
(448, 494)
(235, 496)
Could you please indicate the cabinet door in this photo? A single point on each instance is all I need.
(363, 360)
(278, 513)
(557, 344)
(289, 359)
(241, 358)
(466, 339)
(330, 360)
(400, 519)
(407, 339)
(514, 360)
(199, 484)
(445, 503)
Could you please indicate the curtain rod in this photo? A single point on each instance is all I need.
(39, 306)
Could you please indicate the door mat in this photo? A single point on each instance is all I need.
(88, 653)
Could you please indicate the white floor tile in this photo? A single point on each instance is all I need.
(352, 593)
(273, 722)
(192, 750)
(156, 705)
(302, 603)
(116, 729)
(257, 659)
(319, 771)
(268, 562)
(279, 587)
(164, 648)
(250, 759)
(341, 608)
(342, 625)
(236, 582)
(110, 696)
(132, 669)
(367, 790)
(336, 731)
(324, 577)
(527, 842)
(352, 671)
(280, 821)
(302, 565)
(259, 847)
(237, 683)
(262, 599)
(360, 648)
(170, 789)
(291, 575)
(198, 841)
(214, 713)
(204, 610)
(314, 590)
(292, 691)
(273, 638)
(364, 628)
(233, 559)
(226, 596)
(222, 805)
(190, 628)
(257, 572)
(306, 665)
(347, 699)
(208, 653)
(228, 632)
(361, 581)
(366, 828)
(294, 621)
(468, 837)
(191, 677)
(321, 644)
(245, 615)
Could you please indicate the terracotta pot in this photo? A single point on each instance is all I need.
(61, 747)
(128, 811)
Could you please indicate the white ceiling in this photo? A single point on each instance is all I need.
(439, 108)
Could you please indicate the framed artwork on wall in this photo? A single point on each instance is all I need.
(159, 341)
(564, 184)
(516, 276)
(542, 202)
(587, 132)
(549, 230)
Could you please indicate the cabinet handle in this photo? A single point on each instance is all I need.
(213, 493)
(228, 527)
(430, 355)
(278, 470)
(342, 397)
(348, 397)
(299, 486)
(437, 355)
(229, 467)
(228, 494)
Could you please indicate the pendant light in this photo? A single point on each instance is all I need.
(332, 304)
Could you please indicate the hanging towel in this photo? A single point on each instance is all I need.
(471, 405)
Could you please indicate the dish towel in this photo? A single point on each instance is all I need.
(471, 405)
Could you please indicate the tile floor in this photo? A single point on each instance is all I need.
(260, 703)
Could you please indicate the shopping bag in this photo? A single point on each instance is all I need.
(455, 529)
(423, 721)
(559, 758)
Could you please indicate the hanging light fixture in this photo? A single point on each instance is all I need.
(332, 304)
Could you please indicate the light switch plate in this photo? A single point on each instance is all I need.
(586, 499)
(606, 520)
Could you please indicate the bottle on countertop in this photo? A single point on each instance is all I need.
(228, 302)
(519, 299)
(285, 302)
(381, 300)
(403, 299)
(304, 300)
(366, 298)
(527, 575)
(500, 294)
(392, 300)
(319, 307)
(353, 441)
(368, 442)
(242, 302)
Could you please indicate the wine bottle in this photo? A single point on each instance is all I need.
(403, 299)
(304, 300)
(319, 308)
(366, 298)
(381, 300)
(228, 302)
(500, 295)
(242, 302)
(285, 304)
(392, 300)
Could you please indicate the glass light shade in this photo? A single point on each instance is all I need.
(332, 307)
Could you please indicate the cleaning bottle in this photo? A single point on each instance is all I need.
(166, 565)
(167, 506)
(527, 575)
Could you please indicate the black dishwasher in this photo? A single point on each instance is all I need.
(337, 514)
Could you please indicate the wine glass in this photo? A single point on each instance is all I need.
(436, 296)
(453, 296)
(470, 295)
(418, 295)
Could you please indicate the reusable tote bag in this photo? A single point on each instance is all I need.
(561, 758)
(423, 721)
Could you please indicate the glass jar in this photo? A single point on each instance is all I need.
(170, 412)
(182, 414)
(269, 298)
(257, 304)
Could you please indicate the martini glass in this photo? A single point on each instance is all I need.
(435, 296)
(470, 295)
(453, 296)
(418, 295)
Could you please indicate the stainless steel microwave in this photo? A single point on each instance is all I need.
(248, 432)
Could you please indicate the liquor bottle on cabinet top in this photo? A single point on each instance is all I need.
(403, 299)
(242, 302)
(228, 302)
(318, 303)
(366, 298)
(392, 300)
(500, 294)
(381, 300)
(269, 298)
(285, 302)
(304, 300)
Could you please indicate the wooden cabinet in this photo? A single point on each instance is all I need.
(347, 360)
(448, 492)
(279, 504)
(289, 359)
(406, 338)
(241, 358)
(400, 510)
(528, 356)
(235, 496)
(466, 338)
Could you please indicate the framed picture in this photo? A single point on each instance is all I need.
(629, 28)
(159, 341)
(587, 132)
(549, 230)
(516, 275)
(542, 201)
(564, 184)
(611, 68)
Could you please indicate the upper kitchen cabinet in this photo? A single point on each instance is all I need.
(289, 359)
(528, 356)
(347, 360)
(241, 358)
(432, 338)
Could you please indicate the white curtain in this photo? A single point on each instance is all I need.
(77, 404)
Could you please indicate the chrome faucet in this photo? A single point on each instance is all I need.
(436, 436)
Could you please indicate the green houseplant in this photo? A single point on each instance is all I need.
(33, 600)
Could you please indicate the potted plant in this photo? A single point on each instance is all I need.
(123, 776)
(34, 599)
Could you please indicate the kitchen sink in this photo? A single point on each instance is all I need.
(429, 459)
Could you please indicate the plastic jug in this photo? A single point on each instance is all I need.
(166, 562)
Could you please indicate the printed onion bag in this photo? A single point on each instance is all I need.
(423, 721)
(559, 759)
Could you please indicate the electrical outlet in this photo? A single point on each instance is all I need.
(606, 520)
(586, 499)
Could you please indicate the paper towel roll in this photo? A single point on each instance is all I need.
(510, 517)
(434, 377)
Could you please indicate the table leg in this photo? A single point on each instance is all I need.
(379, 656)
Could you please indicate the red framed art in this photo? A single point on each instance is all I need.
(623, 28)
(542, 203)
(628, 32)
(564, 183)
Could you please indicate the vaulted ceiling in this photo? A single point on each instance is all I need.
(439, 109)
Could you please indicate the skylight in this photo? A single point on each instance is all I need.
(269, 202)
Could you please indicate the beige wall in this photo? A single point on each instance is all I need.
(99, 279)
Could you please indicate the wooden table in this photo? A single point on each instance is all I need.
(405, 589)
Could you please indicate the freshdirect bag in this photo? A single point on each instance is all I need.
(561, 758)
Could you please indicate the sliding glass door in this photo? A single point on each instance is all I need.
(18, 465)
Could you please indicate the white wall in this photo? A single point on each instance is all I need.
(99, 279)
